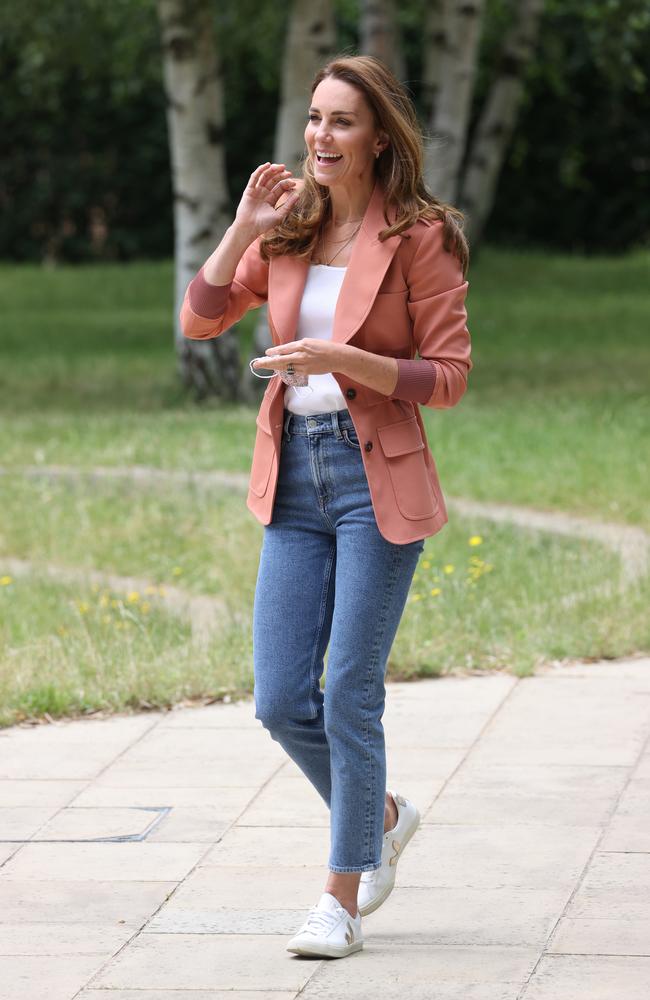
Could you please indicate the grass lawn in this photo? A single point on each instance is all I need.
(557, 416)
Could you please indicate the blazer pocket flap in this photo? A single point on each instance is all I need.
(400, 438)
(263, 418)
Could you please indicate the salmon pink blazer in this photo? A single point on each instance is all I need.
(397, 297)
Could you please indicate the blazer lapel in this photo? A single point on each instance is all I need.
(367, 266)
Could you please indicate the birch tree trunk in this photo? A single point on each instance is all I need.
(195, 120)
(310, 43)
(434, 45)
(379, 34)
(498, 119)
(450, 71)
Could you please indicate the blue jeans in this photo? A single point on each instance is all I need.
(326, 574)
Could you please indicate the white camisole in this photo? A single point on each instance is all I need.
(316, 319)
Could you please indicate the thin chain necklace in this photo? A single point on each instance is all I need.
(322, 243)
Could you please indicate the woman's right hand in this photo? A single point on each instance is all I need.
(258, 210)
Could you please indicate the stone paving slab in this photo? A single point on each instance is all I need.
(590, 977)
(508, 794)
(601, 936)
(74, 749)
(568, 721)
(172, 854)
(491, 857)
(128, 862)
(104, 994)
(231, 800)
(616, 885)
(206, 962)
(424, 972)
(88, 902)
(103, 940)
(42, 977)
(271, 888)
(25, 793)
(467, 916)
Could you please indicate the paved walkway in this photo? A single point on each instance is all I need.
(172, 855)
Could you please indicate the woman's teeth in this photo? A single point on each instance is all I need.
(328, 157)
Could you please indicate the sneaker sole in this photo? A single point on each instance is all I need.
(383, 896)
(325, 951)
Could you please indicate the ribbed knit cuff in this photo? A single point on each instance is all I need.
(206, 300)
(415, 380)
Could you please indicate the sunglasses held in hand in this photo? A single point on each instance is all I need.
(297, 381)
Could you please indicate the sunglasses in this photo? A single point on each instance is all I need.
(297, 381)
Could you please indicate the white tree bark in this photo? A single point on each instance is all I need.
(379, 34)
(450, 71)
(434, 44)
(498, 119)
(195, 119)
(310, 43)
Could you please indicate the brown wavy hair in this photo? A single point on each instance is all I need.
(399, 169)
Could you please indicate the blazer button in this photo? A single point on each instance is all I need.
(368, 446)
(350, 393)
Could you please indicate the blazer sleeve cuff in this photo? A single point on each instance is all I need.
(206, 300)
(415, 380)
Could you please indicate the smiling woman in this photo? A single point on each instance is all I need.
(361, 267)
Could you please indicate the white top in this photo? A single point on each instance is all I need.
(316, 319)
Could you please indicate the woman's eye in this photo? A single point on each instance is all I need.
(313, 118)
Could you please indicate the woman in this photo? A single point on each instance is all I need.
(360, 266)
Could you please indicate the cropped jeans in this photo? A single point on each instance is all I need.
(327, 575)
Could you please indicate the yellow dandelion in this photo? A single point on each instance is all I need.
(435, 591)
(133, 597)
(177, 570)
(62, 630)
(476, 540)
(5, 581)
(416, 597)
(82, 607)
(426, 563)
(449, 568)
(145, 607)
(115, 603)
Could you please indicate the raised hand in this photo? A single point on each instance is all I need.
(258, 209)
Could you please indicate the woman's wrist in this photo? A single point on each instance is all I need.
(372, 370)
(219, 269)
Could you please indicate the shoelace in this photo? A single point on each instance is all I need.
(322, 919)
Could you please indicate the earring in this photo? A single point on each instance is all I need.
(377, 154)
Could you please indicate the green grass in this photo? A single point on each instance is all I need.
(556, 417)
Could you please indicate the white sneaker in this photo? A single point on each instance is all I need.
(376, 886)
(329, 931)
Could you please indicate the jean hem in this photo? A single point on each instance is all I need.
(355, 868)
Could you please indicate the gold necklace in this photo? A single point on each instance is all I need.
(328, 262)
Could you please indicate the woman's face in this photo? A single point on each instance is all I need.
(341, 123)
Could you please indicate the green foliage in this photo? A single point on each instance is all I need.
(577, 175)
(86, 176)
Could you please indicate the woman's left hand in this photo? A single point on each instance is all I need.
(309, 356)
